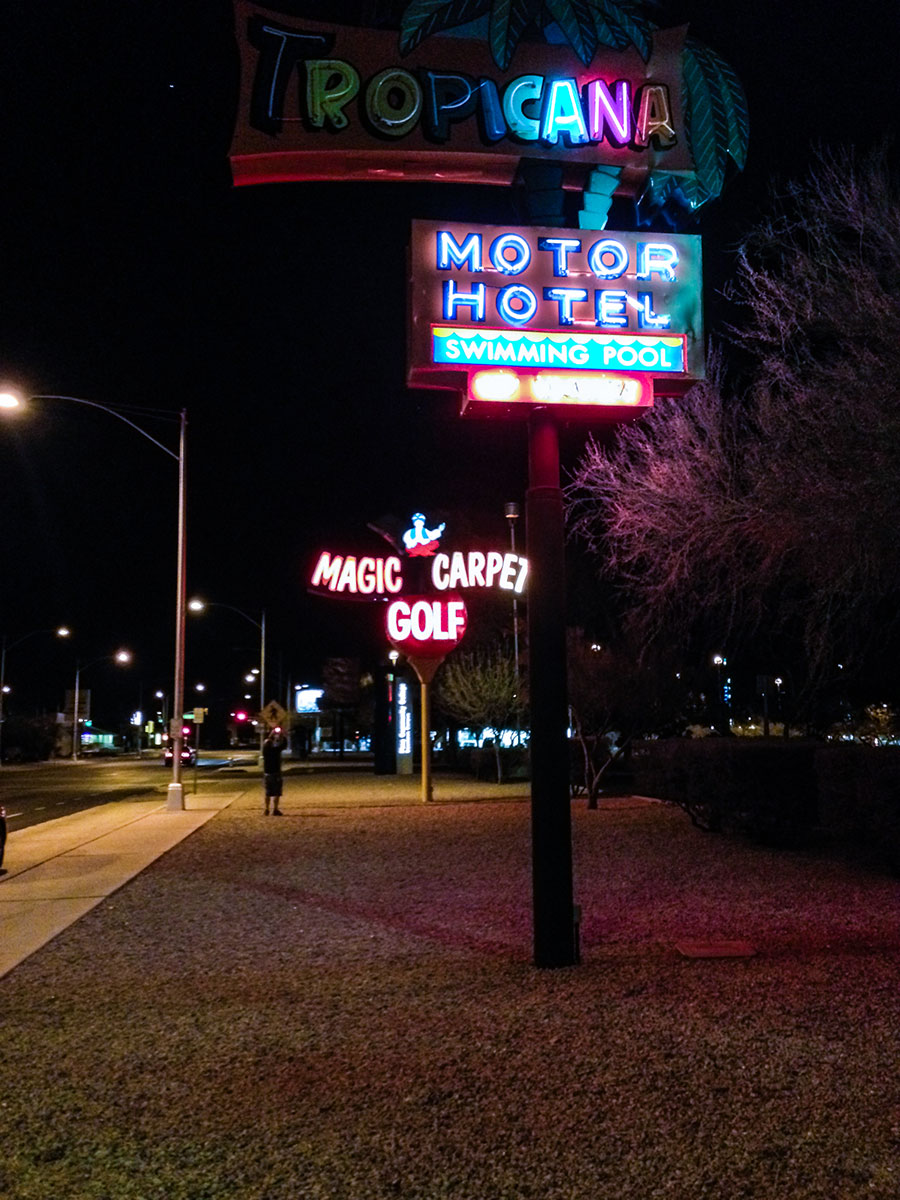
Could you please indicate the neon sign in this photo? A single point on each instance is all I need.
(475, 569)
(423, 626)
(561, 387)
(575, 351)
(380, 578)
(325, 101)
(537, 300)
(364, 576)
(419, 541)
(404, 720)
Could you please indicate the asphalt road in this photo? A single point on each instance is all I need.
(42, 791)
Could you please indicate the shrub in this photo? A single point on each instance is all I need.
(764, 789)
(860, 789)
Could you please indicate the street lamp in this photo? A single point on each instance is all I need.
(123, 658)
(11, 400)
(197, 605)
(61, 632)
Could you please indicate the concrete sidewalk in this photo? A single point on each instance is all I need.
(57, 871)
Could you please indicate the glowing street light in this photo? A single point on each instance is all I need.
(62, 631)
(12, 400)
(122, 658)
(198, 605)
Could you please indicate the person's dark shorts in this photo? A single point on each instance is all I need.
(273, 785)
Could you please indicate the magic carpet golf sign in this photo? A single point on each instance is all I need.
(326, 101)
(521, 315)
(379, 577)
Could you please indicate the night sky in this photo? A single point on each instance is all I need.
(134, 274)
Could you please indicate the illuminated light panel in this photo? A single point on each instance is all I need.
(549, 388)
(571, 388)
(653, 354)
(495, 385)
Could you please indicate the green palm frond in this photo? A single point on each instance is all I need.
(620, 24)
(585, 23)
(424, 17)
(509, 19)
(715, 115)
(575, 18)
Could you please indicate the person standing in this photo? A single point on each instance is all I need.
(272, 778)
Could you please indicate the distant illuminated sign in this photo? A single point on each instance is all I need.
(404, 723)
(534, 300)
(404, 729)
(325, 101)
(306, 699)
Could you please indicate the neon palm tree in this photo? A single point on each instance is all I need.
(713, 103)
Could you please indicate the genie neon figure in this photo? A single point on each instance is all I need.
(419, 541)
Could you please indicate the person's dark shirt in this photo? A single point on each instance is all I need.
(272, 756)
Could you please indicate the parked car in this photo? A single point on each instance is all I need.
(188, 756)
(2, 832)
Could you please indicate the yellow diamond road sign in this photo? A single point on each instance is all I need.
(273, 714)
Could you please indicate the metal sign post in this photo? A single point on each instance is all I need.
(425, 669)
(555, 938)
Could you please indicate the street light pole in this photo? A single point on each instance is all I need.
(198, 605)
(9, 400)
(122, 657)
(175, 792)
(262, 682)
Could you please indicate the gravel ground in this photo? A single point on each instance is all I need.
(341, 1005)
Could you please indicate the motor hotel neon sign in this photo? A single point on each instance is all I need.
(539, 301)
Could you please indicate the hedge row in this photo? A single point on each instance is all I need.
(783, 793)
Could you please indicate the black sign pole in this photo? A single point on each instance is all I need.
(555, 938)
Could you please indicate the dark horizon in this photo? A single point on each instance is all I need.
(136, 275)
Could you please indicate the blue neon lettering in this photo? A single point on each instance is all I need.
(560, 248)
(603, 249)
(656, 258)
(521, 249)
(474, 300)
(450, 254)
(448, 98)
(611, 308)
(647, 318)
(493, 127)
(516, 292)
(565, 298)
(561, 114)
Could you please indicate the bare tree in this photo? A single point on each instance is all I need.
(613, 698)
(482, 688)
(779, 506)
